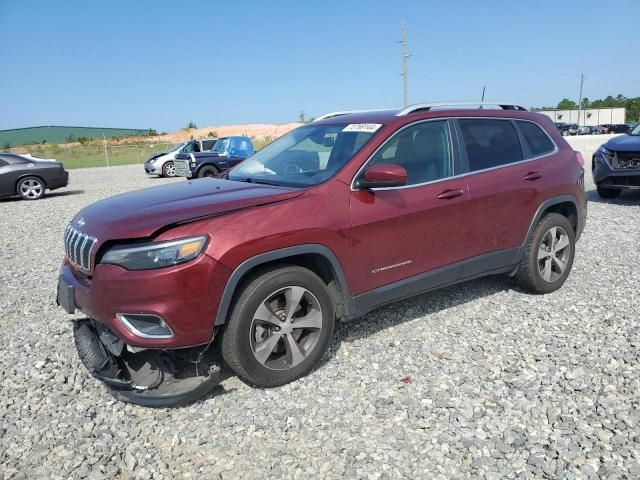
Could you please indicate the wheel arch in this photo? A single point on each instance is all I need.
(26, 175)
(565, 205)
(317, 258)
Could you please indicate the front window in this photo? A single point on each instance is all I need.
(636, 130)
(306, 156)
(176, 147)
(189, 148)
(221, 146)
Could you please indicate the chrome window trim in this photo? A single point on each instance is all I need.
(460, 175)
(123, 319)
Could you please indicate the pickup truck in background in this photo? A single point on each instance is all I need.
(225, 154)
(162, 163)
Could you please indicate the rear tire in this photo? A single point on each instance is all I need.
(548, 255)
(30, 188)
(608, 193)
(280, 326)
(169, 169)
(208, 171)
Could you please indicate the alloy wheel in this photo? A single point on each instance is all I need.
(170, 170)
(286, 328)
(553, 254)
(31, 188)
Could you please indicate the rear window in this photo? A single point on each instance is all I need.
(538, 142)
(490, 143)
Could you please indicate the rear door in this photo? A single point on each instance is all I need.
(505, 180)
(405, 231)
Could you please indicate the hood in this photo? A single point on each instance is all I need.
(624, 143)
(140, 213)
(156, 155)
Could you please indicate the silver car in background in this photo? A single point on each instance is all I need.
(163, 163)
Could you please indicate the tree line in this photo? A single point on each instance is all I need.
(631, 104)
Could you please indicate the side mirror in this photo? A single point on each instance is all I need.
(383, 175)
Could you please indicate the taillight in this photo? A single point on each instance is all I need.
(580, 159)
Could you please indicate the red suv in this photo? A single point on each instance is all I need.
(340, 216)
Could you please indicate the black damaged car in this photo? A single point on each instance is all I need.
(28, 177)
(616, 165)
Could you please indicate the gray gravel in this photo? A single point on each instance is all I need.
(476, 380)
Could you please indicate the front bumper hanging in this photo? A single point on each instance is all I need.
(152, 378)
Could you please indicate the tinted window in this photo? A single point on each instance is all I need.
(490, 143)
(538, 141)
(424, 150)
(207, 144)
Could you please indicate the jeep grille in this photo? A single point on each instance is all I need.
(78, 247)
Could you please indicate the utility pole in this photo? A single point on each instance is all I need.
(580, 99)
(483, 90)
(405, 78)
(106, 154)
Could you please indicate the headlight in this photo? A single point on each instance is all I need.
(147, 256)
(606, 153)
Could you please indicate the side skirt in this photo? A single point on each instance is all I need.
(503, 261)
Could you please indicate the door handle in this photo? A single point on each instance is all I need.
(449, 194)
(531, 176)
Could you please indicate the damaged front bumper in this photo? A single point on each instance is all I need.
(148, 377)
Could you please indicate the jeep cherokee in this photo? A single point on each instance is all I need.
(340, 216)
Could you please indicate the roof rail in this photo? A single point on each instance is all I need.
(347, 112)
(425, 107)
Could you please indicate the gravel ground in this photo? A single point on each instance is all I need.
(476, 380)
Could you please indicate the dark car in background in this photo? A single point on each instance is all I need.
(616, 165)
(225, 154)
(616, 127)
(161, 163)
(28, 177)
(567, 129)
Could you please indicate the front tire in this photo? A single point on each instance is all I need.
(208, 171)
(608, 193)
(30, 188)
(565, 133)
(169, 169)
(548, 255)
(279, 327)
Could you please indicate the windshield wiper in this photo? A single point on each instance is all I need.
(257, 181)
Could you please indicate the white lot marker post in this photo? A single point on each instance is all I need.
(106, 154)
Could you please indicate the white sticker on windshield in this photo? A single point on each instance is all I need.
(362, 127)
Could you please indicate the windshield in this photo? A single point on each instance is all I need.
(177, 146)
(636, 130)
(221, 145)
(306, 156)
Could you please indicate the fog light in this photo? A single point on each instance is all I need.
(145, 325)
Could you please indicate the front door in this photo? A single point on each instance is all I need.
(405, 231)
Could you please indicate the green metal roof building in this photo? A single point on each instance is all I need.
(61, 134)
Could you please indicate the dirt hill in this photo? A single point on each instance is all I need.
(259, 131)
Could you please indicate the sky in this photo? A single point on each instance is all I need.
(160, 64)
